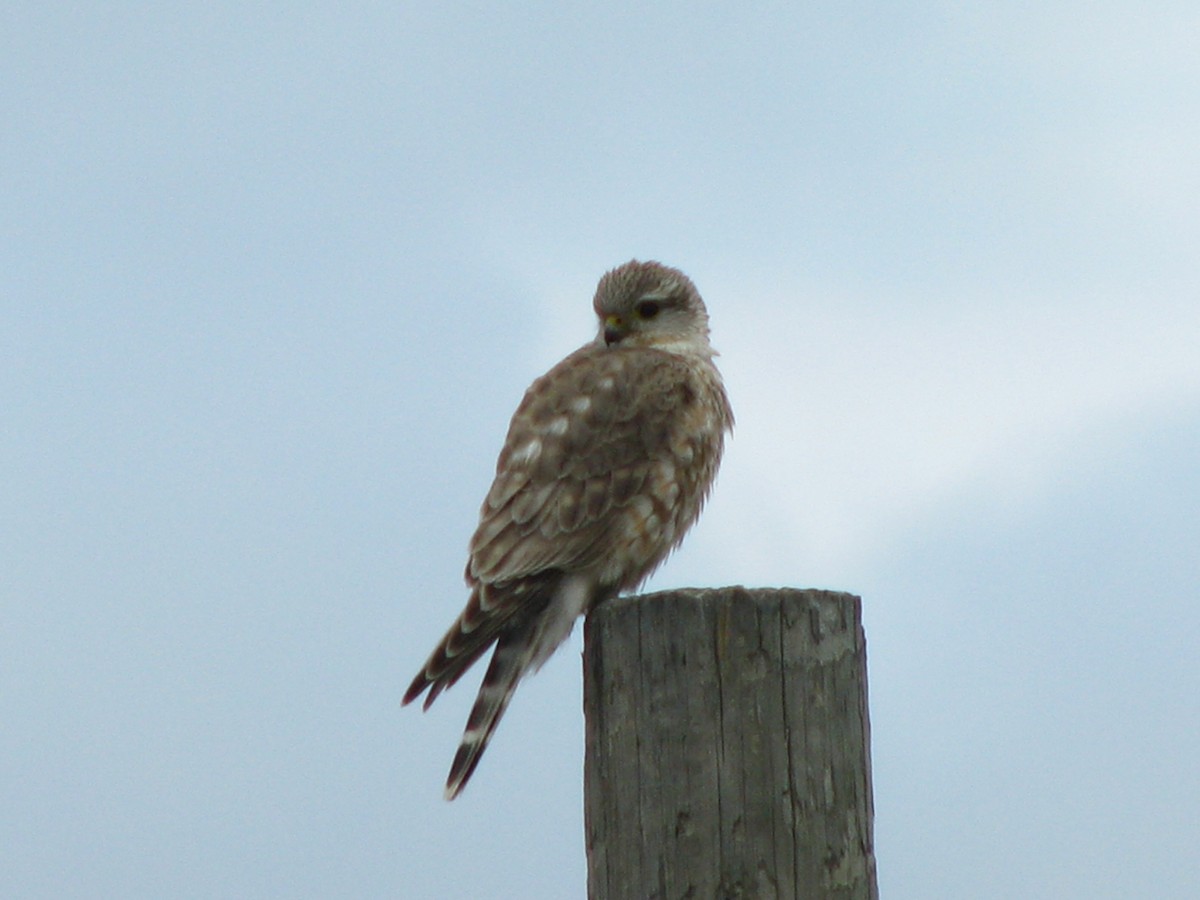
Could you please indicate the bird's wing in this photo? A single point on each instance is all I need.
(582, 444)
(580, 447)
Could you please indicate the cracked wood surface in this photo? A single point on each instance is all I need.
(728, 747)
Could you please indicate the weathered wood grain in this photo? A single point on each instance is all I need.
(728, 747)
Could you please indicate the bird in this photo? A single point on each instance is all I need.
(609, 458)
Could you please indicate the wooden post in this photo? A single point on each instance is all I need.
(728, 747)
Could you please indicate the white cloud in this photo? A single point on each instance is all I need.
(853, 423)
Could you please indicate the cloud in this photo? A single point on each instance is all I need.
(854, 421)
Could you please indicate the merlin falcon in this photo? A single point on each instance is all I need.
(608, 461)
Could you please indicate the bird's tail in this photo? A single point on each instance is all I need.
(491, 609)
(509, 662)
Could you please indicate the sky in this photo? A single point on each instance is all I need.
(273, 279)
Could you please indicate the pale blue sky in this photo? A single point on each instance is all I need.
(273, 278)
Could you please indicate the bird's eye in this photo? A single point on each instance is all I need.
(647, 309)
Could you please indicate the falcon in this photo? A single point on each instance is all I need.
(608, 461)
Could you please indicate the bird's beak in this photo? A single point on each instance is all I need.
(614, 330)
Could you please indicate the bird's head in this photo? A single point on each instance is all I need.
(647, 304)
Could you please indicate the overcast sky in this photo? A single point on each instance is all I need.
(273, 279)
